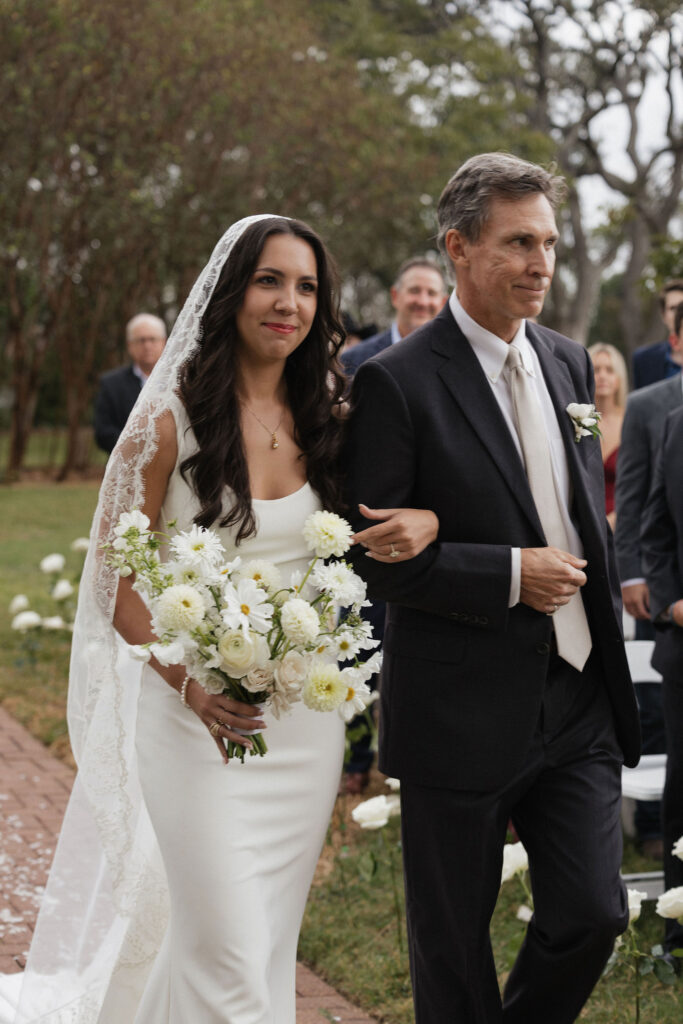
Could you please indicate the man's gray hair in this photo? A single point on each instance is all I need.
(142, 318)
(466, 200)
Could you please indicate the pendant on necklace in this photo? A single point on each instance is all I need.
(274, 443)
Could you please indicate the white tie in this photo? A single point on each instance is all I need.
(571, 625)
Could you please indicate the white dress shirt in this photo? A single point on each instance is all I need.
(492, 351)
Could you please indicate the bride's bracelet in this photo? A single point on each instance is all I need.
(183, 692)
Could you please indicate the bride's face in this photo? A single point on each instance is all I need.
(279, 304)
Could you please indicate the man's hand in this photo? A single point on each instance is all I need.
(550, 578)
(636, 598)
(677, 613)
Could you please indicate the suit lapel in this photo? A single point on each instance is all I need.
(463, 376)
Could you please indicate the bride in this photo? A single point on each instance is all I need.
(180, 879)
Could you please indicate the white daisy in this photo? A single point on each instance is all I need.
(246, 607)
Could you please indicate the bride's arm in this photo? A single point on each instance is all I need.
(132, 618)
(400, 534)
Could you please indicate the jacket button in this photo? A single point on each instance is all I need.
(543, 648)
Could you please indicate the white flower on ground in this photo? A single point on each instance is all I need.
(52, 563)
(327, 534)
(179, 607)
(515, 861)
(197, 548)
(246, 607)
(263, 573)
(259, 679)
(394, 784)
(670, 903)
(240, 653)
(325, 689)
(677, 848)
(18, 604)
(53, 622)
(62, 590)
(80, 545)
(373, 813)
(169, 654)
(299, 621)
(139, 653)
(357, 694)
(524, 913)
(26, 620)
(635, 899)
(340, 582)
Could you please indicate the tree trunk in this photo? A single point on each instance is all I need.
(27, 360)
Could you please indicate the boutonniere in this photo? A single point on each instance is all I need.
(585, 419)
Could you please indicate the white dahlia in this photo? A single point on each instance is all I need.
(327, 534)
(325, 689)
(179, 607)
(299, 621)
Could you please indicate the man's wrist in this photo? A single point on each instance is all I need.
(671, 615)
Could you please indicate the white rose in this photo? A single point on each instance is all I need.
(327, 534)
(26, 620)
(52, 563)
(577, 411)
(53, 622)
(169, 654)
(524, 913)
(325, 688)
(18, 604)
(373, 813)
(179, 607)
(291, 671)
(299, 621)
(258, 679)
(80, 545)
(670, 903)
(62, 590)
(515, 861)
(677, 849)
(635, 898)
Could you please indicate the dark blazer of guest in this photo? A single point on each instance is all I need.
(653, 363)
(115, 399)
(357, 355)
(641, 436)
(460, 666)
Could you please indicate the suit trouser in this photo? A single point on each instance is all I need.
(647, 818)
(672, 803)
(565, 805)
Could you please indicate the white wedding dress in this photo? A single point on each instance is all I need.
(239, 842)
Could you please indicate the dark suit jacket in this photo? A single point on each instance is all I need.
(118, 393)
(662, 541)
(463, 674)
(357, 355)
(641, 437)
(651, 364)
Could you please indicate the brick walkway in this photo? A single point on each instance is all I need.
(34, 789)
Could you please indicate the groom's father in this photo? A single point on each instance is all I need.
(505, 687)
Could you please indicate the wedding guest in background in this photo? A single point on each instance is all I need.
(611, 387)
(119, 389)
(652, 363)
(355, 333)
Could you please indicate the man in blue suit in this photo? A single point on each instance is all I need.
(417, 295)
(652, 363)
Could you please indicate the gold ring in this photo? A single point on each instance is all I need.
(394, 552)
(215, 728)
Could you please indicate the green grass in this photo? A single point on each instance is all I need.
(46, 450)
(350, 932)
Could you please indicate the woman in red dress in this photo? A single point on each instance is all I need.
(611, 387)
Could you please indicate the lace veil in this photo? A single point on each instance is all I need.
(104, 911)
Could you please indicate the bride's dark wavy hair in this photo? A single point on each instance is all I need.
(208, 386)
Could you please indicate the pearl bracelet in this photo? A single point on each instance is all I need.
(183, 692)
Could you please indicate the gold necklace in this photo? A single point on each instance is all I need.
(274, 443)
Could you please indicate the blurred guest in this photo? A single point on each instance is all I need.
(354, 333)
(663, 563)
(611, 387)
(417, 295)
(119, 389)
(663, 359)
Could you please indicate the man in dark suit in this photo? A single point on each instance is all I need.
(505, 687)
(119, 389)
(417, 295)
(652, 363)
(663, 563)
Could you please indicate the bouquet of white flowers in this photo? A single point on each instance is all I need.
(238, 630)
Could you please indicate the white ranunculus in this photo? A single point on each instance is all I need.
(169, 654)
(373, 813)
(263, 573)
(670, 903)
(18, 604)
(515, 861)
(53, 622)
(26, 620)
(300, 622)
(327, 534)
(394, 784)
(258, 679)
(635, 899)
(197, 548)
(80, 545)
(324, 689)
(62, 590)
(238, 653)
(677, 848)
(524, 913)
(52, 563)
(139, 653)
(179, 607)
